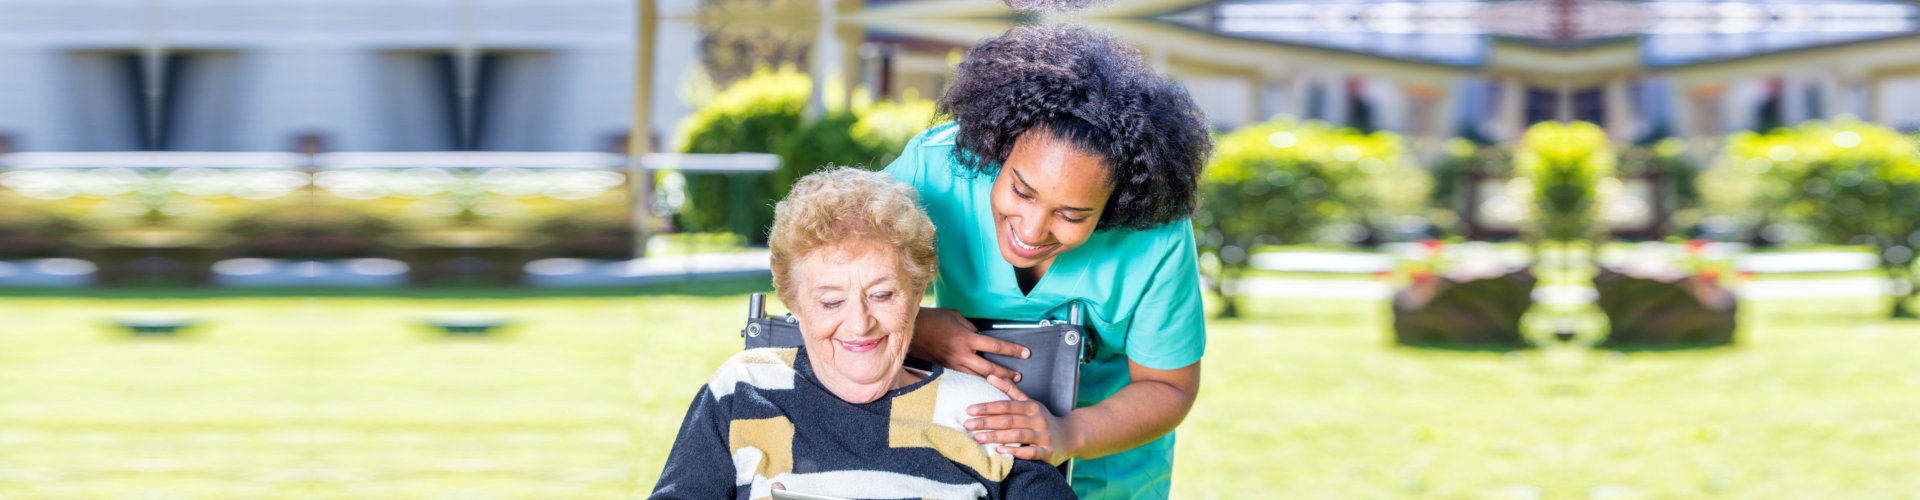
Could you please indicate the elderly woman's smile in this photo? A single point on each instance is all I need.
(856, 314)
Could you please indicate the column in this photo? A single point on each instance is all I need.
(1563, 103)
(1622, 122)
(1297, 97)
(1832, 95)
(1334, 105)
(1440, 104)
(828, 64)
(639, 138)
(1682, 120)
(852, 38)
(1876, 105)
(1276, 97)
(1794, 105)
(1256, 98)
(1512, 110)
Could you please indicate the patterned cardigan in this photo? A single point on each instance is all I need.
(764, 418)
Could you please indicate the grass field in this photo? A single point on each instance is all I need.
(351, 397)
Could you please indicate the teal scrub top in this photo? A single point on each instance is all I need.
(1140, 291)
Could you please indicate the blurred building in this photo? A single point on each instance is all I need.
(300, 75)
(315, 75)
(1439, 69)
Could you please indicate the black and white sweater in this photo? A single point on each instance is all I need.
(765, 418)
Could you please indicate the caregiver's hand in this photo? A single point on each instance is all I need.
(1023, 421)
(944, 336)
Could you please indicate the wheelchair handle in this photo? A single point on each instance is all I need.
(757, 310)
(757, 306)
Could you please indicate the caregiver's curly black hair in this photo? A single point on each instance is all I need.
(1093, 92)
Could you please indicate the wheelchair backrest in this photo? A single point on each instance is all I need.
(1051, 375)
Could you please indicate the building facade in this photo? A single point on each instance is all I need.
(316, 75)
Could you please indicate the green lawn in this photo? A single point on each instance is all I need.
(350, 398)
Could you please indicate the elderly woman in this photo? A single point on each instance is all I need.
(847, 414)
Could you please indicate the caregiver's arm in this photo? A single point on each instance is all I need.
(1152, 405)
(1149, 407)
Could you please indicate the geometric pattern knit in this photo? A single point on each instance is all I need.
(763, 417)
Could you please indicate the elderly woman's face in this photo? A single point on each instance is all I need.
(856, 309)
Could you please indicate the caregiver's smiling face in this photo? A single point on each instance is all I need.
(1047, 199)
(856, 307)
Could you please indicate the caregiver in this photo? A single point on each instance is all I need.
(1067, 176)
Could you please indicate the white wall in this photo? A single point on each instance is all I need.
(288, 67)
(1900, 103)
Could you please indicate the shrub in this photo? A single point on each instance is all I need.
(433, 217)
(1572, 184)
(869, 136)
(1565, 165)
(753, 115)
(887, 126)
(1841, 182)
(1286, 182)
(117, 216)
(764, 113)
(1665, 161)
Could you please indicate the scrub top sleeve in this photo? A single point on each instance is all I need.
(1169, 328)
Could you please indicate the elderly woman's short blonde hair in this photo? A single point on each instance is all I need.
(846, 205)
